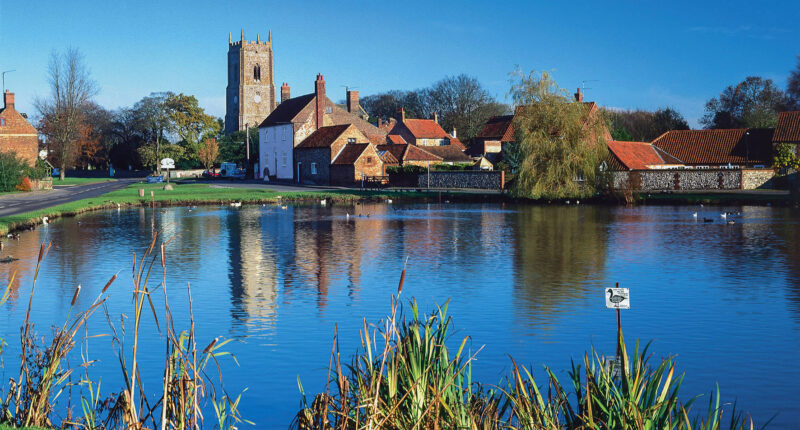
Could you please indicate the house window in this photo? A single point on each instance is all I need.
(313, 168)
(369, 160)
(284, 133)
(2, 121)
(284, 158)
(328, 109)
(351, 140)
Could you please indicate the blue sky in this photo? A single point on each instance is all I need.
(632, 54)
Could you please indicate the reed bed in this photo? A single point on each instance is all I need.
(192, 378)
(405, 377)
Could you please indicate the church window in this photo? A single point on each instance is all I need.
(257, 72)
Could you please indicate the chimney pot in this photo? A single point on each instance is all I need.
(320, 103)
(8, 99)
(285, 92)
(352, 102)
(436, 117)
(579, 96)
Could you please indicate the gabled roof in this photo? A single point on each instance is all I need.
(396, 139)
(425, 129)
(15, 123)
(288, 110)
(449, 153)
(350, 153)
(719, 147)
(454, 141)
(498, 128)
(324, 136)
(788, 129)
(406, 152)
(388, 157)
(639, 155)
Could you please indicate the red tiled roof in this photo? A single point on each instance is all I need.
(718, 147)
(636, 155)
(396, 139)
(426, 129)
(457, 143)
(350, 153)
(449, 153)
(498, 128)
(406, 152)
(15, 123)
(324, 136)
(788, 129)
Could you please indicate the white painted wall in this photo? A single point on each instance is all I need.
(275, 148)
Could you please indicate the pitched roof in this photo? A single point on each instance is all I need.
(388, 157)
(454, 141)
(288, 110)
(498, 128)
(350, 153)
(396, 139)
(449, 153)
(734, 146)
(426, 129)
(788, 129)
(639, 155)
(323, 137)
(15, 123)
(405, 152)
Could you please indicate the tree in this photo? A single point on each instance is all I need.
(154, 119)
(785, 156)
(752, 103)
(461, 102)
(561, 141)
(208, 152)
(190, 122)
(63, 111)
(641, 125)
(793, 87)
(666, 119)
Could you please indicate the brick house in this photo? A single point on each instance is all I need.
(429, 135)
(628, 156)
(788, 130)
(332, 145)
(17, 135)
(410, 155)
(295, 119)
(355, 162)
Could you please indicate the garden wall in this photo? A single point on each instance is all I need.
(691, 179)
(475, 179)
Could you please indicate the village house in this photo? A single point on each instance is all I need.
(429, 135)
(337, 154)
(295, 119)
(17, 135)
(723, 148)
(788, 130)
(409, 155)
(638, 156)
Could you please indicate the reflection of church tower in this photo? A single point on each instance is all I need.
(251, 92)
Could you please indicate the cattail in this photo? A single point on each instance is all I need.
(75, 296)
(108, 284)
(163, 259)
(402, 278)
(210, 345)
(41, 253)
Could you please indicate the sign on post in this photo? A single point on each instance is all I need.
(167, 163)
(618, 298)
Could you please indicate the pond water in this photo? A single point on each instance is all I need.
(525, 281)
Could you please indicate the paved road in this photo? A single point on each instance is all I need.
(14, 204)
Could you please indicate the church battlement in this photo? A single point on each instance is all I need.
(243, 42)
(250, 95)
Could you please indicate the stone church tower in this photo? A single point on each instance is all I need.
(251, 93)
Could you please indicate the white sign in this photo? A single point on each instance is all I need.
(167, 163)
(617, 298)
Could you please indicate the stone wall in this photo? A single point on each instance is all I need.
(691, 179)
(485, 180)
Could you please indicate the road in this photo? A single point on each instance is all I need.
(14, 204)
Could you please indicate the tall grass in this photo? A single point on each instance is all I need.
(192, 380)
(404, 376)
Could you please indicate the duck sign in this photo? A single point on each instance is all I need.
(618, 298)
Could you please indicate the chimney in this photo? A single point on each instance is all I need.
(320, 105)
(352, 101)
(579, 96)
(436, 118)
(8, 100)
(402, 114)
(453, 134)
(285, 94)
(380, 122)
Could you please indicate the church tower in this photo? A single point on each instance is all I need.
(250, 94)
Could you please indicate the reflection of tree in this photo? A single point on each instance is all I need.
(559, 251)
(790, 233)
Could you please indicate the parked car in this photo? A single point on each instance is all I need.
(210, 174)
(230, 170)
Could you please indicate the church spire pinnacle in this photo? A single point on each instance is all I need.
(270, 36)
(230, 39)
(242, 35)
(258, 38)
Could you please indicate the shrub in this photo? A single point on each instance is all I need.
(452, 167)
(38, 171)
(408, 169)
(10, 172)
(25, 184)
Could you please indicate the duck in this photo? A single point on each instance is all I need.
(45, 220)
(284, 207)
(8, 259)
(614, 298)
(694, 214)
(731, 222)
(323, 202)
(708, 219)
(347, 215)
(236, 204)
(577, 202)
(723, 215)
(389, 201)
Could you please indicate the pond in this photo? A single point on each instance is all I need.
(524, 281)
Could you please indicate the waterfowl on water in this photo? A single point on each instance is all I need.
(236, 204)
(45, 220)
(8, 259)
(723, 215)
(614, 298)
(323, 202)
(708, 219)
(694, 214)
(284, 207)
(731, 222)
(389, 201)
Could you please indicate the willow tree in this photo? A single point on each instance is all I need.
(561, 141)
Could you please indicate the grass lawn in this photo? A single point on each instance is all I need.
(5, 427)
(191, 194)
(81, 181)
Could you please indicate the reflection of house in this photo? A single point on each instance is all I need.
(788, 130)
(428, 134)
(638, 156)
(297, 118)
(744, 147)
(338, 154)
(17, 135)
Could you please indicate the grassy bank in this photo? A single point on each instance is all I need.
(189, 193)
(81, 181)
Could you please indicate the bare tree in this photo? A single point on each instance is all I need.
(62, 112)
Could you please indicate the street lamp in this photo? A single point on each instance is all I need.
(247, 148)
(4, 78)
(747, 147)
